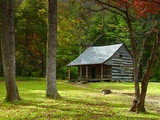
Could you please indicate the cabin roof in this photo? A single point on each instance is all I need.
(96, 55)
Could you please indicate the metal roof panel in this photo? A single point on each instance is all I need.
(96, 55)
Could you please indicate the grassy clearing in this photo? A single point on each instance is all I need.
(79, 102)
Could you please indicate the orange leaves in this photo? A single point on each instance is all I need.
(145, 8)
(35, 37)
(142, 8)
(34, 45)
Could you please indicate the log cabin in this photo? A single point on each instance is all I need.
(104, 63)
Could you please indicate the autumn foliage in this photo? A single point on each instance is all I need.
(142, 8)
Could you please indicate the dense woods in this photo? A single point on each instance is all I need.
(74, 23)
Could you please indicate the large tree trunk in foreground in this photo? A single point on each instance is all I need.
(135, 64)
(148, 72)
(51, 58)
(8, 49)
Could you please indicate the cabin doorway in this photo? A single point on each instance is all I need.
(93, 71)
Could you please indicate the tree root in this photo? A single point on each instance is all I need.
(55, 96)
(140, 108)
(134, 106)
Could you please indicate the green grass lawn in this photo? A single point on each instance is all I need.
(79, 102)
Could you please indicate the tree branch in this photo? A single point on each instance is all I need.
(142, 51)
(104, 8)
(67, 15)
(108, 5)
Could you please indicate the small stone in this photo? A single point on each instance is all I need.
(104, 92)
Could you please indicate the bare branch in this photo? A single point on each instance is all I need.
(142, 51)
(115, 12)
(67, 15)
(108, 5)
(104, 8)
(98, 37)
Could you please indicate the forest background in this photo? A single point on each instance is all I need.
(78, 26)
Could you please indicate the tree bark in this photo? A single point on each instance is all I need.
(146, 76)
(8, 49)
(42, 74)
(51, 58)
(135, 64)
(43, 59)
(80, 29)
(24, 53)
(1, 66)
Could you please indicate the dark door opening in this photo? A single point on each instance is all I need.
(93, 72)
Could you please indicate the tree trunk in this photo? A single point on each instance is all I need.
(80, 30)
(1, 66)
(51, 58)
(146, 76)
(135, 64)
(42, 74)
(8, 49)
(24, 53)
(25, 45)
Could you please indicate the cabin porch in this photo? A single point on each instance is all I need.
(99, 72)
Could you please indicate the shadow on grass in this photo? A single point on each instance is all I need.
(77, 109)
(149, 113)
(74, 108)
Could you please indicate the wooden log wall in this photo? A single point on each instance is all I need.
(107, 71)
(122, 65)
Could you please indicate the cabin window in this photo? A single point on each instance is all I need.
(121, 56)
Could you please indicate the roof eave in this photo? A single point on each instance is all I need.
(84, 64)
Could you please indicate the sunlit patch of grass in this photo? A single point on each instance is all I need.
(78, 102)
(152, 88)
(113, 86)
